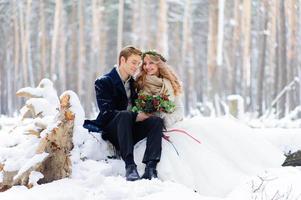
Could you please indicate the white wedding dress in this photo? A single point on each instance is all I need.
(227, 154)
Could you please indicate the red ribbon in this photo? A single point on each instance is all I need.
(180, 131)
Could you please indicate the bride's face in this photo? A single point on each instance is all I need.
(150, 67)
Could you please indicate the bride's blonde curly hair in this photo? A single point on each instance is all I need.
(165, 71)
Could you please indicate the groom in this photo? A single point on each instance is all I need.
(115, 94)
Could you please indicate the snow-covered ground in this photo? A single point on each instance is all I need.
(233, 161)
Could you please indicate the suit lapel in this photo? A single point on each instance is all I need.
(133, 90)
(117, 81)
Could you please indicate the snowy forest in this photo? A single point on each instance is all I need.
(218, 48)
(233, 135)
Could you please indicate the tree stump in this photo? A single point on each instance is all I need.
(58, 144)
(293, 159)
(236, 105)
(52, 157)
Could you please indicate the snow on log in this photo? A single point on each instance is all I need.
(49, 158)
(44, 90)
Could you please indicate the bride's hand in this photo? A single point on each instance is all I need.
(150, 114)
(156, 114)
(142, 116)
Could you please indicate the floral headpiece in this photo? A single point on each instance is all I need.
(153, 53)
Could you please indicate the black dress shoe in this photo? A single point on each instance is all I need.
(132, 173)
(150, 173)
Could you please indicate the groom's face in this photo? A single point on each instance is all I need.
(131, 64)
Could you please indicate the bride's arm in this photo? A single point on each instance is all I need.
(178, 114)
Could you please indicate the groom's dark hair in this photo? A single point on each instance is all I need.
(128, 51)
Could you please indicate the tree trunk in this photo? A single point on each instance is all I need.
(246, 45)
(270, 55)
(73, 67)
(272, 47)
(282, 57)
(298, 35)
(23, 43)
(96, 56)
(291, 51)
(162, 34)
(187, 59)
(277, 51)
(28, 43)
(234, 47)
(102, 42)
(261, 72)
(82, 51)
(136, 22)
(56, 26)
(212, 49)
(43, 56)
(62, 50)
(120, 27)
(17, 69)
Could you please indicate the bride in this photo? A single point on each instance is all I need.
(228, 151)
(157, 78)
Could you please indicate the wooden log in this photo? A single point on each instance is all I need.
(53, 150)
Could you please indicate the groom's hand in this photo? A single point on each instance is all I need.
(141, 117)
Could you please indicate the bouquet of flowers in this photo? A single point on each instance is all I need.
(150, 104)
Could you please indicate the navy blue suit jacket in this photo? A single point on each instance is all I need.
(111, 99)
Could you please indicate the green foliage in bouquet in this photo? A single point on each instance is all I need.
(150, 104)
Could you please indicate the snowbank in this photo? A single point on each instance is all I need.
(228, 161)
(286, 140)
(281, 183)
(229, 152)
